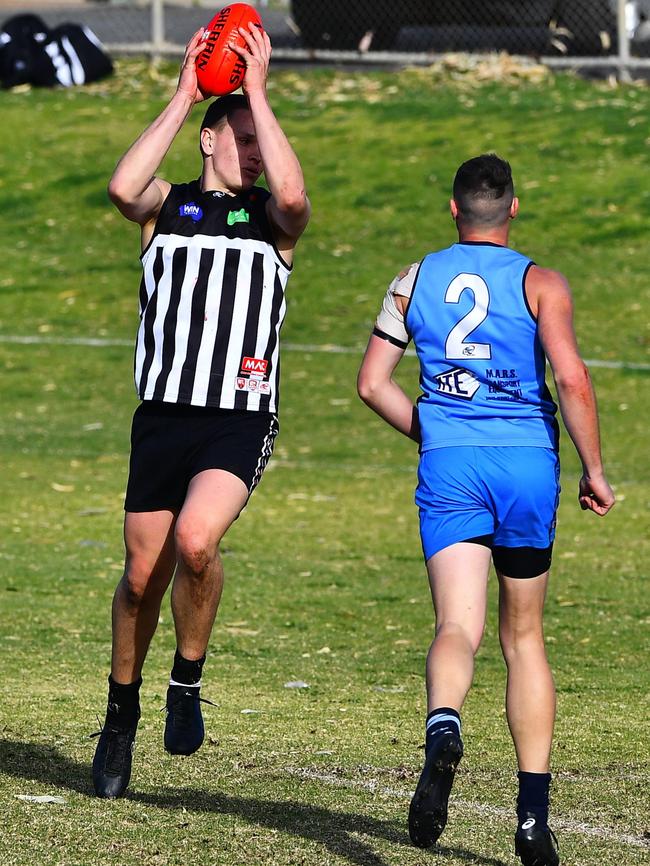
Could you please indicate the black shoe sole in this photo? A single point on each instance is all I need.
(173, 749)
(176, 745)
(428, 810)
(532, 858)
(538, 851)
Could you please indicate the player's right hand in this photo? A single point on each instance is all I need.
(187, 83)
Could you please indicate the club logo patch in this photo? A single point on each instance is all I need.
(252, 384)
(252, 376)
(191, 210)
(254, 365)
(238, 216)
(457, 382)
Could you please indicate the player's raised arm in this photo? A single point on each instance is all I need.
(551, 298)
(133, 188)
(289, 208)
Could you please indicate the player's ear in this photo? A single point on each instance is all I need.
(453, 207)
(207, 141)
(514, 208)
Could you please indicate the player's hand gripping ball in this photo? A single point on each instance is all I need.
(219, 69)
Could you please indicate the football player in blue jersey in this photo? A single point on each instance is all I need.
(483, 320)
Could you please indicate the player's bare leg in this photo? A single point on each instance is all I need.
(458, 578)
(148, 570)
(214, 500)
(530, 694)
(530, 708)
(150, 562)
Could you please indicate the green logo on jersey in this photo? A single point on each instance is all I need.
(238, 216)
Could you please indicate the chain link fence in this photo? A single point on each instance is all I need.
(581, 33)
(615, 30)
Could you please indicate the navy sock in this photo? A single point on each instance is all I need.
(442, 720)
(187, 672)
(123, 702)
(533, 797)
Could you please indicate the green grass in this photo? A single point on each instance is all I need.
(325, 581)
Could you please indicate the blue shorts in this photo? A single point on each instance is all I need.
(508, 494)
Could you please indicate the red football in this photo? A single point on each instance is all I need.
(219, 69)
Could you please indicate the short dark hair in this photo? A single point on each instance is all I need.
(224, 106)
(483, 190)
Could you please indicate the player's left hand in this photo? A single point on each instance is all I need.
(595, 494)
(256, 56)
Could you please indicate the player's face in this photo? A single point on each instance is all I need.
(236, 156)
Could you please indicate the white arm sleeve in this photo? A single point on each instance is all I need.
(390, 321)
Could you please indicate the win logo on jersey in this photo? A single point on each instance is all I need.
(457, 382)
(191, 210)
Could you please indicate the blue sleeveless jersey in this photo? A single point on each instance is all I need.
(481, 363)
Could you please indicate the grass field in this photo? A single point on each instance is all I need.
(325, 583)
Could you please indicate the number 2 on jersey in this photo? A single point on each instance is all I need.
(457, 348)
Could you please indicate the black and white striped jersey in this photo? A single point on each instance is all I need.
(212, 302)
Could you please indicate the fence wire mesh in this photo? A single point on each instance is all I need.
(558, 30)
(540, 27)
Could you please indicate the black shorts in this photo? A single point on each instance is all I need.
(172, 443)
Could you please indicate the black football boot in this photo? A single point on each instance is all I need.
(534, 845)
(428, 811)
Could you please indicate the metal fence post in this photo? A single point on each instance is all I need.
(623, 42)
(157, 30)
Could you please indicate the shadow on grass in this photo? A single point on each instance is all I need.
(337, 831)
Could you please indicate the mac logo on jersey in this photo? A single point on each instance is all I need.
(191, 210)
(457, 383)
(254, 365)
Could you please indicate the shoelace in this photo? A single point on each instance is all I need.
(183, 707)
(118, 746)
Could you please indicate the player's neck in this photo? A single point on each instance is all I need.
(477, 235)
(211, 182)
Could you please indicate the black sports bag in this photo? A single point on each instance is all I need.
(31, 52)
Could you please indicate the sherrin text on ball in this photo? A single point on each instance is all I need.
(219, 69)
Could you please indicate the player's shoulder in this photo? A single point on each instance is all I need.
(546, 280)
(258, 194)
(257, 199)
(189, 186)
(547, 290)
(403, 282)
(177, 193)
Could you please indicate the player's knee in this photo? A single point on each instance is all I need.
(194, 549)
(469, 633)
(521, 637)
(137, 582)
